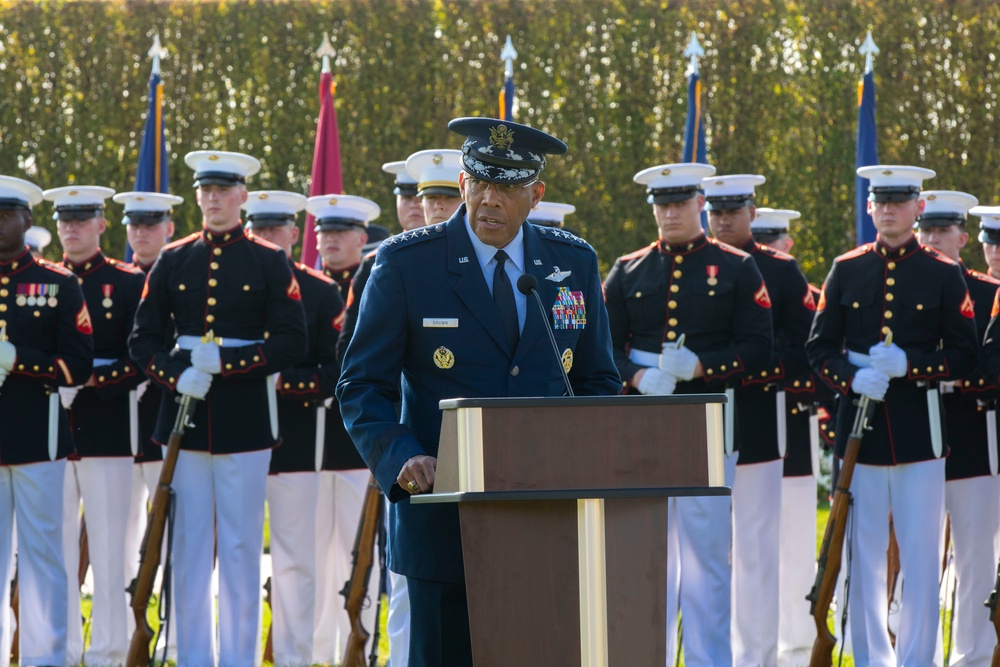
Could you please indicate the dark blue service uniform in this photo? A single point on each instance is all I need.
(237, 287)
(99, 415)
(304, 387)
(433, 274)
(47, 321)
(921, 297)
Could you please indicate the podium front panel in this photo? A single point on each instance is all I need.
(554, 445)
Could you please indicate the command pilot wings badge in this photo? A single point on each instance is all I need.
(558, 276)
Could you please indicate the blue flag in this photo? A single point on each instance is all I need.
(866, 153)
(151, 174)
(694, 131)
(507, 99)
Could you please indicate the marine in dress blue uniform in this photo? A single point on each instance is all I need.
(797, 550)
(762, 402)
(293, 482)
(429, 316)
(103, 422)
(896, 286)
(971, 483)
(149, 225)
(242, 290)
(341, 229)
(45, 343)
(691, 315)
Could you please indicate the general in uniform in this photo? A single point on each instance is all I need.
(971, 484)
(45, 343)
(341, 220)
(293, 482)
(894, 286)
(691, 315)
(242, 291)
(761, 398)
(440, 319)
(104, 424)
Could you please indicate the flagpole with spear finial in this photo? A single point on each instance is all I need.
(869, 51)
(693, 51)
(326, 51)
(508, 54)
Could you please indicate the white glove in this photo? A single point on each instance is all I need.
(679, 363)
(205, 357)
(889, 359)
(194, 383)
(871, 383)
(141, 389)
(3, 376)
(67, 395)
(656, 382)
(8, 355)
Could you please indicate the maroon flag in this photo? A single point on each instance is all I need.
(326, 174)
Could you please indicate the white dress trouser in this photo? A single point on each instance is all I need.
(291, 498)
(105, 486)
(397, 622)
(26, 491)
(340, 499)
(914, 494)
(145, 479)
(974, 534)
(704, 538)
(71, 558)
(234, 485)
(797, 565)
(756, 535)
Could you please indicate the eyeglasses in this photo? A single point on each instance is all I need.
(477, 186)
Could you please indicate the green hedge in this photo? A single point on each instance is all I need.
(607, 76)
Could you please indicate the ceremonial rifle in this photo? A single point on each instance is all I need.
(141, 588)
(355, 590)
(828, 568)
(828, 565)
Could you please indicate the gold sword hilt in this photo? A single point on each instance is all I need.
(3, 334)
(210, 337)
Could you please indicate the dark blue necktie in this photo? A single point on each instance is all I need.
(503, 297)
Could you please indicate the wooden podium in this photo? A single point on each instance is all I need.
(563, 508)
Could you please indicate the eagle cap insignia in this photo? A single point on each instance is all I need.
(665, 172)
(501, 137)
(73, 193)
(931, 197)
(437, 159)
(333, 201)
(887, 172)
(213, 158)
(262, 195)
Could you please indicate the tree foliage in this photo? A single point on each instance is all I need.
(606, 76)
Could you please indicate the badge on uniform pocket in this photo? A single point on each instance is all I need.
(569, 311)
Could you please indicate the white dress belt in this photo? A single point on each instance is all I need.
(189, 342)
(644, 358)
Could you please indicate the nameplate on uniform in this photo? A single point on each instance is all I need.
(440, 322)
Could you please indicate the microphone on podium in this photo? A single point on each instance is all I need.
(528, 284)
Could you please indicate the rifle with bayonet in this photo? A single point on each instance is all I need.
(355, 590)
(141, 588)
